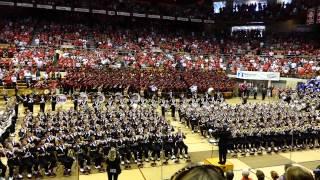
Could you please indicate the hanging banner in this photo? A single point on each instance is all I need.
(171, 18)
(318, 15)
(6, 3)
(99, 11)
(63, 8)
(25, 5)
(257, 75)
(81, 10)
(111, 13)
(138, 15)
(119, 13)
(196, 20)
(208, 21)
(44, 6)
(182, 19)
(153, 16)
(310, 16)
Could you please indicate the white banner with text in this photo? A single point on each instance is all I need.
(257, 75)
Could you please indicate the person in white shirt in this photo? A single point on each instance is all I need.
(45, 76)
(27, 76)
(37, 41)
(33, 77)
(1, 78)
(14, 80)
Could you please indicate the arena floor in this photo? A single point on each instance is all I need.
(200, 149)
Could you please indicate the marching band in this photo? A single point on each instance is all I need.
(139, 134)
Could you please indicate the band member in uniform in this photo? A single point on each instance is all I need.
(163, 108)
(95, 155)
(25, 102)
(26, 157)
(156, 146)
(75, 102)
(194, 122)
(42, 103)
(3, 168)
(81, 150)
(30, 103)
(169, 146)
(53, 102)
(51, 155)
(42, 156)
(122, 150)
(264, 92)
(16, 107)
(62, 155)
(145, 144)
(173, 108)
(135, 148)
(12, 159)
(180, 145)
(96, 104)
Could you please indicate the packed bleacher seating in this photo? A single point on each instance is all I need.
(123, 61)
(35, 45)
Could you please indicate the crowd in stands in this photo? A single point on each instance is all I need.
(112, 59)
(36, 46)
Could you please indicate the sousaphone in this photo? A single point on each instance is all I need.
(135, 98)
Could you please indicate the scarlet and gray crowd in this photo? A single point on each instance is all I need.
(116, 47)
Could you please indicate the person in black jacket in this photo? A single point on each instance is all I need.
(75, 102)
(42, 103)
(30, 103)
(113, 165)
(53, 102)
(224, 136)
(25, 102)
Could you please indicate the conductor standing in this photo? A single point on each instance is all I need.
(223, 136)
(42, 103)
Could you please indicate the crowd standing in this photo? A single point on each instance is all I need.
(35, 52)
